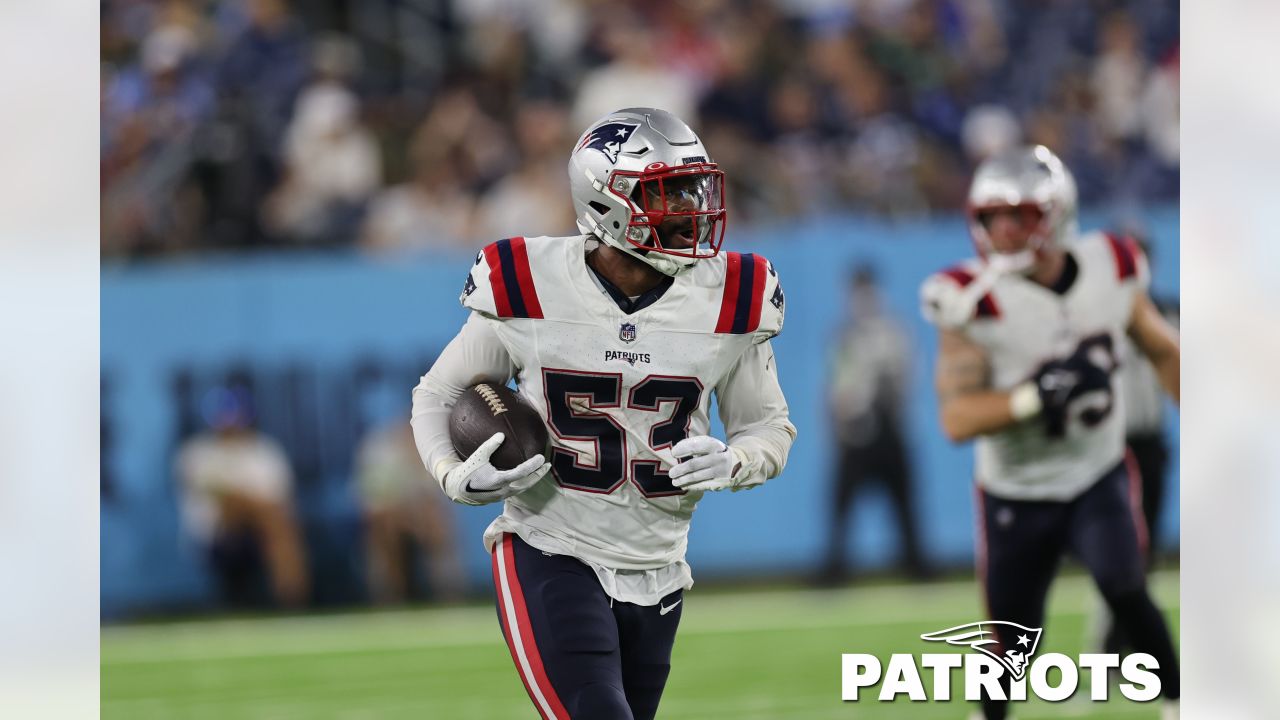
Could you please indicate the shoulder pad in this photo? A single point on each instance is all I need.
(946, 301)
(500, 283)
(752, 300)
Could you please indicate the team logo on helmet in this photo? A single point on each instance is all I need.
(609, 138)
(981, 636)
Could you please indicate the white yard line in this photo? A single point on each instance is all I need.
(727, 613)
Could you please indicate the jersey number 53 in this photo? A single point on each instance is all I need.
(575, 401)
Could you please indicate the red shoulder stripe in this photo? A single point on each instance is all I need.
(501, 300)
(732, 273)
(960, 275)
(1125, 251)
(524, 275)
(987, 305)
(514, 294)
(757, 291)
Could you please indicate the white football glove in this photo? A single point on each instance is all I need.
(706, 464)
(475, 481)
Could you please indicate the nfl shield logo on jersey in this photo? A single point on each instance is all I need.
(627, 333)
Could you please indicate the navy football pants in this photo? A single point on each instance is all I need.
(1022, 542)
(580, 653)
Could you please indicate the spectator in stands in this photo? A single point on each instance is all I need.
(530, 200)
(1160, 111)
(433, 211)
(258, 75)
(149, 117)
(634, 77)
(989, 130)
(237, 503)
(404, 506)
(813, 106)
(1119, 74)
(332, 167)
(871, 365)
(262, 71)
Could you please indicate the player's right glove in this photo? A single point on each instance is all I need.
(1054, 382)
(1057, 383)
(475, 481)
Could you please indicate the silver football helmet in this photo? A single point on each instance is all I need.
(1031, 178)
(642, 182)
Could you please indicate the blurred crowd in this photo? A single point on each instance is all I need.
(444, 124)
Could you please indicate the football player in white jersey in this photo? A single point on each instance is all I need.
(619, 336)
(1028, 334)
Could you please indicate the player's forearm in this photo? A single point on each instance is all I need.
(971, 414)
(755, 416)
(432, 403)
(1169, 371)
(763, 450)
(474, 355)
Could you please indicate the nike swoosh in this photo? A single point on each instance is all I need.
(664, 609)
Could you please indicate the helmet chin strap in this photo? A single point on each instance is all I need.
(1021, 262)
(663, 263)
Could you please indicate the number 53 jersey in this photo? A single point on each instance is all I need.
(618, 390)
(1021, 325)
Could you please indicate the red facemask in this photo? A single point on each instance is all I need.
(682, 207)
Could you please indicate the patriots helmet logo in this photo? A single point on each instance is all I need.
(981, 636)
(609, 138)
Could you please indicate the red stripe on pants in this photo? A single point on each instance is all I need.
(520, 639)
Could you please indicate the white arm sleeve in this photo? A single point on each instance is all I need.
(475, 354)
(754, 413)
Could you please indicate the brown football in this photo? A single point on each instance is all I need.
(486, 408)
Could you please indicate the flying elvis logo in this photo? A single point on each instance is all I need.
(981, 636)
(609, 138)
(983, 669)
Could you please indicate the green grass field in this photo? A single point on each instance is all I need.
(758, 654)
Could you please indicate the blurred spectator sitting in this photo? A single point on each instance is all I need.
(1160, 111)
(332, 167)
(885, 155)
(237, 503)
(530, 200)
(635, 77)
(1119, 74)
(403, 505)
(262, 71)
(989, 130)
(802, 152)
(433, 210)
(149, 116)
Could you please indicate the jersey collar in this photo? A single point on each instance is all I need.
(626, 304)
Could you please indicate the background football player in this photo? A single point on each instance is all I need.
(619, 336)
(1028, 337)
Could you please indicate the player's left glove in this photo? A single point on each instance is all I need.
(706, 464)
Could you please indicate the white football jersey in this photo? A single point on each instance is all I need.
(1021, 325)
(618, 390)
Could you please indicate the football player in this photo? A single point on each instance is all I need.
(619, 336)
(1028, 334)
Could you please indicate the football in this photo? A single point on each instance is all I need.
(486, 408)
